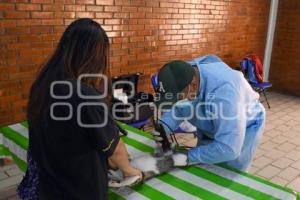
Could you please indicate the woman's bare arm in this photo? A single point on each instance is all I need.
(120, 160)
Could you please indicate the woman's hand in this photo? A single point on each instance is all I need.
(132, 172)
(120, 160)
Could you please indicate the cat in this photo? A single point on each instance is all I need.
(150, 166)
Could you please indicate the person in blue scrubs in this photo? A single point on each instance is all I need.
(219, 102)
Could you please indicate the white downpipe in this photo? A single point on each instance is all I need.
(270, 38)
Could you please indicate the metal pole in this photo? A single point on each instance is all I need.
(270, 38)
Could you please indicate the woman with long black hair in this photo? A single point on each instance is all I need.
(69, 150)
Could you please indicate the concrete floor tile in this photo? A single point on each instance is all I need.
(293, 136)
(296, 129)
(269, 126)
(10, 181)
(283, 127)
(296, 165)
(259, 152)
(286, 147)
(272, 133)
(274, 154)
(269, 172)
(282, 163)
(253, 170)
(261, 162)
(295, 140)
(295, 114)
(6, 167)
(287, 118)
(295, 184)
(279, 139)
(292, 123)
(9, 193)
(268, 146)
(277, 122)
(289, 173)
(13, 171)
(3, 175)
(265, 139)
(294, 155)
(279, 181)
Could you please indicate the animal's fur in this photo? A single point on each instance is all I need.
(150, 166)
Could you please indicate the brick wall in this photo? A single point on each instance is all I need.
(144, 35)
(285, 65)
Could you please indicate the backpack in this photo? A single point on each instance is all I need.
(252, 68)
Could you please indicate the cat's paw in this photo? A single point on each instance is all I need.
(180, 159)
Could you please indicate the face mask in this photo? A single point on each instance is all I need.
(183, 103)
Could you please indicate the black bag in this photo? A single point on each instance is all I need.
(138, 105)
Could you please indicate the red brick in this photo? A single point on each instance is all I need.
(30, 38)
(85, 14)
(284, 70)
(49, 7)
(17, 30)
(121, 15)
(68, 14)
(137, 39)
(112, 8)
(29, 22)
(42, 14)
(24, 7)
(94, 8)
(104, 15)
(136, 27)
(74, 7)
(105, 2)
(69, 1)
(59, 29)
(52, 21)
(41, 29)
(137, 3)
(184, 11)
(68, 21)
(42, 1)
(137, 15)
(107, 27)
(166, 5)
(145, 9)
(113, 34)
(17, 15)
(122, 2)
(6, 6)
(39, 45)
(18, 46)
(85, 1)
(51, 37)
(8, 23)
(121, 40)
(112, 21)
(179, 5)
(129, 9)
(152, 3)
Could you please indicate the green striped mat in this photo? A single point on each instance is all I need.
(196, 182)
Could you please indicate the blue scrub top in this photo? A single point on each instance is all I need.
(227, 110)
